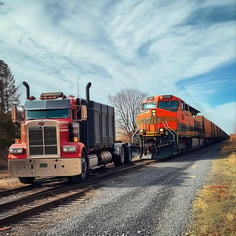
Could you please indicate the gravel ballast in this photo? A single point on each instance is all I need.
(154, 200)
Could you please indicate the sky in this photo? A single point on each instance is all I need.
(186, 48)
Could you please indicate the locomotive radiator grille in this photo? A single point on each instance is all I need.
(42, 140)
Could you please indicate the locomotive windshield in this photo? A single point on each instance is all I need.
(148, 105)
(169, 105)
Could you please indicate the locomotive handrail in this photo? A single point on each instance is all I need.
(132, 138)
(173, 133)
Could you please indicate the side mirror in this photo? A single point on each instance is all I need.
(84, 114)
(17, 115)
(14, 114)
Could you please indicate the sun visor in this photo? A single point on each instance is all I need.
(47, 104)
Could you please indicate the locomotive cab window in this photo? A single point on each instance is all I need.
(169, 105)
(148, 105)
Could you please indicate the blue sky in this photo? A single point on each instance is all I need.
(184, 47)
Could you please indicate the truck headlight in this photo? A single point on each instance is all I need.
(161, 130)
(69, 148)
(16, 150)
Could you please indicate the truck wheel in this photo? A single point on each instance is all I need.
(84, 170)
(26, 180)
(119, 159)
(84, 167)
(128, 154)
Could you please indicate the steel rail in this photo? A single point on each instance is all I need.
(68, 193)
(38, 183)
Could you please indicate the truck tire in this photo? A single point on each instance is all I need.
(119, 159)
(26, 180)
(128, 153)
(84, 167)
(84, 170)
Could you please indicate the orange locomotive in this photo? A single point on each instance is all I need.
(167, 125)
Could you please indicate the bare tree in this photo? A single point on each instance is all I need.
(8, 90)
(127, 105)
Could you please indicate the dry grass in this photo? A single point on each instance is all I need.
(214, 210)
(7, 183)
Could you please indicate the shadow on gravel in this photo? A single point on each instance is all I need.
(167, 174)
(153, 176)
(215, 151)
(181, 171)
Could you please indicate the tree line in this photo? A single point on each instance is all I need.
(8, 96)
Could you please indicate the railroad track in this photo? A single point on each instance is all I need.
(39, 183)
(16, 210)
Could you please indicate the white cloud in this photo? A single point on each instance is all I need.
(223, 115)
(148, 45)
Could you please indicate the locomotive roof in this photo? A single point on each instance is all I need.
(193, 110)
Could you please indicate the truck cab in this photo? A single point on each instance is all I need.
(63, 136)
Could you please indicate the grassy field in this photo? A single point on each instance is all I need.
(214, 210)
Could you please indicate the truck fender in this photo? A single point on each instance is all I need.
(80, 147)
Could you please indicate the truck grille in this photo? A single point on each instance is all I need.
(42, 140)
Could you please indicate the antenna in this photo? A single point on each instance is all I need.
(77, 87)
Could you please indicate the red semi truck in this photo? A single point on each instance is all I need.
(64, 136)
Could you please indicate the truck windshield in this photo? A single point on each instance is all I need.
(148, 105)
(45, 114)
(169, 105)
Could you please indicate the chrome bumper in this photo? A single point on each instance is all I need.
(44, 167)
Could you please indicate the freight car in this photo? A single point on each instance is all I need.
(167, 126)
(64, 136)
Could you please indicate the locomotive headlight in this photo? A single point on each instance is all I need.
(16, 150)
(161, 130)
(153, 112)
(69, 148)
